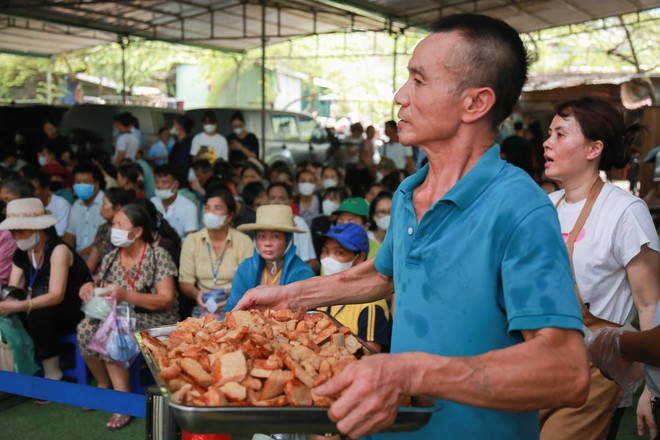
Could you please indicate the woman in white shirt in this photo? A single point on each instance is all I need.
(613, 246)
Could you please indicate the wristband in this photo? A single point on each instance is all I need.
(29, 309)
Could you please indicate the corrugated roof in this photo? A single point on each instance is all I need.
(52, 26)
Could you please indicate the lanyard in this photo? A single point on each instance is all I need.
(131, 282)
(276, 280)
(215, 270)
(34, 271)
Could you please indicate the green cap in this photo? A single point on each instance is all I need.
(354, 205)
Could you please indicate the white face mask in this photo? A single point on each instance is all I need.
(306, 188)
(119, 238)
(379, 176)
(164, 194)
(329, 207)
(214, 221)
(383, 222)
(174, 132)
(332, 266)
(29, 243)
(43, 160)
(210, 128)
(238, 130)
(329, 183)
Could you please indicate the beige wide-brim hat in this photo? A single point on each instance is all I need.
(272, 218)
(27, 214)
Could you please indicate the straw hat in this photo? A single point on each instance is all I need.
(27, 214)
(272, 218)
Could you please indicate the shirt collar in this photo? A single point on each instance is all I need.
(205, 235)
(468, 188)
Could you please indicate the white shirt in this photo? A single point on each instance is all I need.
(217, 143)
(398, 153)
(303, 240)
(181, 214)
(85, 220)
(618, 226)
(128, 143)
(60, 209)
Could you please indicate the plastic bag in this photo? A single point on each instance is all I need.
(98, 307)
(114, 338)
(12, 331)
(604, 350)
(122, 346)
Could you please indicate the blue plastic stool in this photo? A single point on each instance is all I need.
(79, 371)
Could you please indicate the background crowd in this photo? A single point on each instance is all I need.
(187, 225)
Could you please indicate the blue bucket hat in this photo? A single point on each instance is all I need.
(350, 236)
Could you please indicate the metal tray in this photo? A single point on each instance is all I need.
(285, 419)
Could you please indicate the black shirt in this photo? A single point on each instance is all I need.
(77, 276)
(250, 141)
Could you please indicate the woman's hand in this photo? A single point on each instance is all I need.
(86, 291)
(119, 293)
(10, 306)
(198, 298)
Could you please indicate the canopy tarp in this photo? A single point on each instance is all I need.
(48, 27)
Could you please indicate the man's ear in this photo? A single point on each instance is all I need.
(360, 259)
(477, 102)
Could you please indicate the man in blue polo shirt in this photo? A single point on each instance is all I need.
(486, 316)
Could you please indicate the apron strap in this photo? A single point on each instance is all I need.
(591, 321)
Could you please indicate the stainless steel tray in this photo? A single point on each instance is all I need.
(253, 419)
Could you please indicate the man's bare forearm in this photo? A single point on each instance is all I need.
(358, 285)
(546, 371)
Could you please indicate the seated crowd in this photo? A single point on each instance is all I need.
(159, 234)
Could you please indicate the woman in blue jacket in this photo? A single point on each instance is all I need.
(274, 260)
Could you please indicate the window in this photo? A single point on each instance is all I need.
(285, 127)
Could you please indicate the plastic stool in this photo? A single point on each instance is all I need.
(79, 372)
(140, 378)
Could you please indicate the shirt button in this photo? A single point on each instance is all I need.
(410, 231)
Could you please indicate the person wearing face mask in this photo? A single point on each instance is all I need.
(356, 210)
(85, 216)
(274, 261)
(113, 200)
(140, 274)
(58, 206)
(379, 216)
(50, 165)
(308, 202)
(330, 177)
(209, 144)
(346, 246)
(210, 257)
(180, 212)
(50, 273)
(242, 144)
(332, 198)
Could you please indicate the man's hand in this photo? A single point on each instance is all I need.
(371, 393)
(10, 306)
(267, 297)
(645, 415)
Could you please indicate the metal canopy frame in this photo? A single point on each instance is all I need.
(238, 25)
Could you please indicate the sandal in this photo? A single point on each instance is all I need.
(118, 421)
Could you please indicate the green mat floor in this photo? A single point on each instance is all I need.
(21, 419)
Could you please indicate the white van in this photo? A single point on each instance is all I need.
(290, 136)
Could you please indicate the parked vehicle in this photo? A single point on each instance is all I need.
(22, 125)
(290, 136)
(89, 127)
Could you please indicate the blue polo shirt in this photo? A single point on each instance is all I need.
(486, 261)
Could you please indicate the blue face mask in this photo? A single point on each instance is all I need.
(84, 191)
